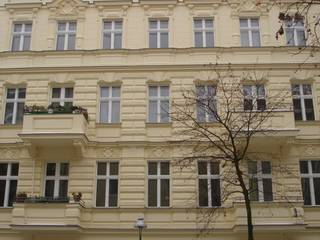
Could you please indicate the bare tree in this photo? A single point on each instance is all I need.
(221, 120)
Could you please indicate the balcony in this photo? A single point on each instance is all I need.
(43, 131)
(40, 214)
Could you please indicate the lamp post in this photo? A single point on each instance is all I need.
(140, 225)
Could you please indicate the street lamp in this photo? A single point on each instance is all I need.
(140, 225)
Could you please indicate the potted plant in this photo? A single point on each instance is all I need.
(21, 197)
(77, 196)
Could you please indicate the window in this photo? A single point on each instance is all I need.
(21, 36)
(158, 184)
(249, 32)
(110, 104)
(295, 33)
(310, 181)
(66, 36)
(112, 34)
(107, 184)
(203, 33)
(206, 103)
(56, 180)
(254, 97)
(8, 183)
(260, 181)
(62, 96)
(158, 34)
(209, 184)
(158, 104)
(302, 102)
(14, 105)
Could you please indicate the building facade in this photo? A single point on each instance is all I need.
(124, 62)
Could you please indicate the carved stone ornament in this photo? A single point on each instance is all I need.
(107, 152)
(65, 8)
(309, 150)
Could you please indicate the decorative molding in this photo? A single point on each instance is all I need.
(206, 76)
(248, 8)
(67, 9)
(158, 78)
(207, 10)
(113, 13)
(158, 12)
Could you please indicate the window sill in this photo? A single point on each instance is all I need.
(147, 207)
(108, 125)
(11, 126)
(150, 124)
(307, 123)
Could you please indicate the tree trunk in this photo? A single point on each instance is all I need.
(246, 200)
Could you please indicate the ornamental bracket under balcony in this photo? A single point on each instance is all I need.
(55, 133)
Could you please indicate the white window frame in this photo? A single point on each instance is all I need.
(109, 100)
(159, 177)
(22, 34)
(8, 178)
(159, 30)
(260, 176)
(295, 29)
(15, 102)
(66, 34)
(310, 175)
(107, 177)
(159, 98)
(209, 177)
(112, 32)
(302, 97)
(249, 29)
(56, 178)
(254, 95)
(203, 30)
(207, 115)
(62, 98)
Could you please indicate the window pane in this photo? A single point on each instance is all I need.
(198, 40)
(16, 43)
(51, 169)
(63, 188)
(308, 103)
(22, 93)
(12, 191)
(202, 168)
(152, 168)
(203, 192)
(69, 93)
(164, 40)
(153, 111)
(266, 167)
(261, 104)
(153, 24)
(198, 23)
(306, 191)
(3, 169)
(104, 110)
(14, 169)
(56, 92)
(11, 93)
(8, 117)
(26, 43)
(247, 104)
(64, 169)
(17, 27)
(107, 41)
(295, 90)
(209, 23)
(2, 192)
(60, 42)
(165, 192)
(49, 188)
(115, 91)
(115, 112)
(164, 110)
(253, 188)
(153, 91)
(254, 22)
(209, 39)
(215, 192)
(164, 24)
(301, 38)
(297, 109)
(28, 27)
(214, 168)
(201, 113)
(316, 185)
(290, 37)
(152, 193)
(102, 168)
(152, 40)
(72, 42)
(307, 90)
(304, 167)
(104, 92)
(113, 193)
(255, 38)
(117, 40)
(107, 25)
(164, 168)
(243, 22)
(114, 168)
(244, 38)
(101, 193)
(253, 167)
(20, 112)
(118, 25)
(267, 190)
(61, 26)
(164, 91)
(315, 166)
(72, 26)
